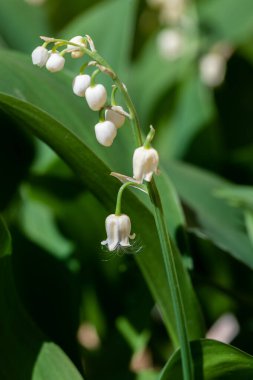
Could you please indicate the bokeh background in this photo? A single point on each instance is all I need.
(188, 67)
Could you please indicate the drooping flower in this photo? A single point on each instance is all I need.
(145, 163)
(75, 50)
(40, 56)
(105, 132)
(55, 62)
(80, 84)
(96, 96)
(118, 230)
(115, 116)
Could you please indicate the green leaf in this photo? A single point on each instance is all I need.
(218, 221)
(53, 364)
(24, 351)
(240, 196)
(110, 24)
(212, 361)
(54, 115)
(193, 110)
(231, 20)
(15, 15)
(152, 76)
(5, 239)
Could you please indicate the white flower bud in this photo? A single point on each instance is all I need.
(96, 96)
(170, 43)
(115, 116)
(40, 56)
(145, 163)
(105, 132)
(55, 62)
(118, 230)
(212, 68)
(75, 51)
(80, 84)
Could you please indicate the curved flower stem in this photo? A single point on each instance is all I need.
(120, 193)
(166, 247)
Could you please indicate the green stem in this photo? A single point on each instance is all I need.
(120, 193)
(172, 277)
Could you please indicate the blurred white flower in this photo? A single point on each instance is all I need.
(105, 132)
(80, 84)
(55, 62)
(96, 96)
(212, 67)
(171, 43)
(118, 230)
(113, 114)
(145, 163)
(75, 51)
(172, 11)
(40, 56)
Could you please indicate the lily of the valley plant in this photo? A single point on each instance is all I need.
(111, 117)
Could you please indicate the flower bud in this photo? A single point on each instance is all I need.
(40, 56)
(212, 68)
(96, 96)
(105, 132)
(115, 116)
(145, 162)
(55, 62)
(75, 51)
(118, 230)
(80, 84)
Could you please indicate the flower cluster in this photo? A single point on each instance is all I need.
(111, 118)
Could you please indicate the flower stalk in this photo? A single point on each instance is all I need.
(164, 238)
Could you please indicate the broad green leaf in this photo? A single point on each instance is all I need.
(37, 222)
(230, 20)
(53, 364)
(193, 110)
(24, 351)
(212, 361)
(110, 24)
(240, 196)
(64, 130)
(15, 15)
(152, 76)
(218, 221)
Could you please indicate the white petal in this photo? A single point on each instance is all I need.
(40, 56)
(55, 62)
(96, 96)
(80, 84)
(105, 133)
(76, 40)
(111, 225)
(115, 117)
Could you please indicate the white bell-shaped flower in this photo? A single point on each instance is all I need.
(145, 163)
(118, 230)
(40, 56)
(75, 51)
(55, 62)
(96, 96)
(80, 84)
(105, 132)
(113, 114)
(212, 68)
(171, 43)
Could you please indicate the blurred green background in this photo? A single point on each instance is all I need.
(97, 307)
